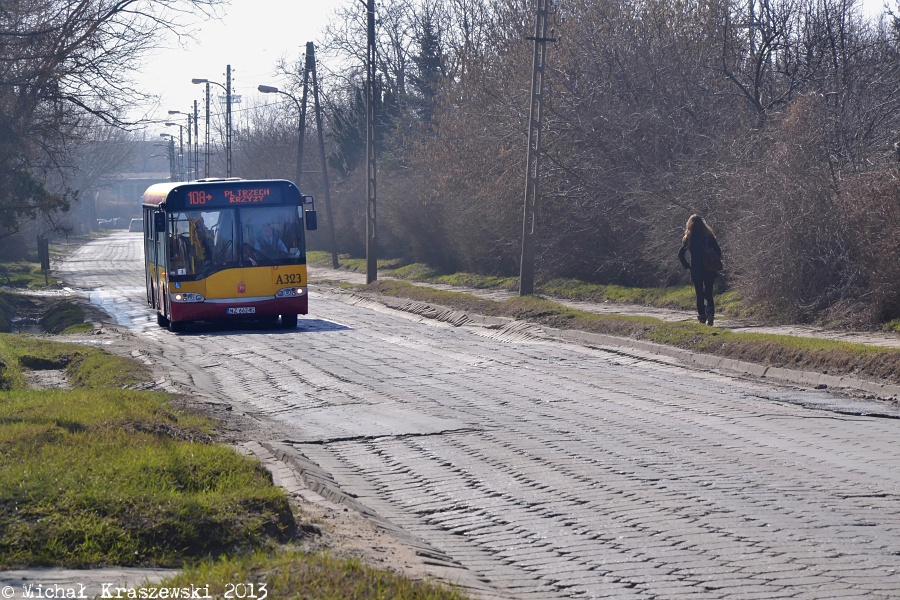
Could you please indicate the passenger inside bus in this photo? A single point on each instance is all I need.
(198, 243)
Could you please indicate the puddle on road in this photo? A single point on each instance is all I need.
(60, 293)
(126, 306)
(91, 342)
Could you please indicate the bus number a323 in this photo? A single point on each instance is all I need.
(289, 278)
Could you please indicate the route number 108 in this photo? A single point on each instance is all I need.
(198, 197)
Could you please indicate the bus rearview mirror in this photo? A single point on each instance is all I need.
(312, 222)
(159, 222)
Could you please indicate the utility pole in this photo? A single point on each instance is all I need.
(228, 121)
(196, 143)
(181, 175)
(371, 230)
(190, 148)
(170, 152)
(532, 173)
(310, 70)
(228, 100)
(174, 167)
(306, 72)
(311, 66)
(206, 170)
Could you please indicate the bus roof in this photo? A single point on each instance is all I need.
(221, 193)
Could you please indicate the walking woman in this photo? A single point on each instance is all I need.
(706, 262)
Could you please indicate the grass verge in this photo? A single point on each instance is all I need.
(64, 317)
(85, 366)
(356, 265)
(811, 354)
(678, 298)
(117, 477)
(24, 274)
(100, 475)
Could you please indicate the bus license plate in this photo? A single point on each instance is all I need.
(242, 310)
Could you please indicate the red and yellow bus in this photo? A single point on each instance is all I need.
(219, 250)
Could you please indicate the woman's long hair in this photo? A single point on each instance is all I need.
(696, 225)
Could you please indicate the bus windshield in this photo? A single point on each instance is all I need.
(202, 242)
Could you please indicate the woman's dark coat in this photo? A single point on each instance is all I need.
(696, 246)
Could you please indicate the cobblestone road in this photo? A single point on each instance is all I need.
(547, 470)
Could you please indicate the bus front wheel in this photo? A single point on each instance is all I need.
(289, 321)
(161, 320)
(176, 326)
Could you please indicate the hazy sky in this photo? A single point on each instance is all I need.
(252, 36)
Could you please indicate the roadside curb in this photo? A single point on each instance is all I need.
(651, 350)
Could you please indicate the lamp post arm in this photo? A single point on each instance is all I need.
(209, 82)
(268, 89)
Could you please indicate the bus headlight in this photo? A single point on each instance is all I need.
(187, 297)
(293, 292)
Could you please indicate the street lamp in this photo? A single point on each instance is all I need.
(171, 149)
(206, 140)
(166, 155)
(268, 89)
(227, 88)
(181, 173)
(190, 119)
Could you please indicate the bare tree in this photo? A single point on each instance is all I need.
(60, 61)
(760, 114)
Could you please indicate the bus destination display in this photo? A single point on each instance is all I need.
(220, 197)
